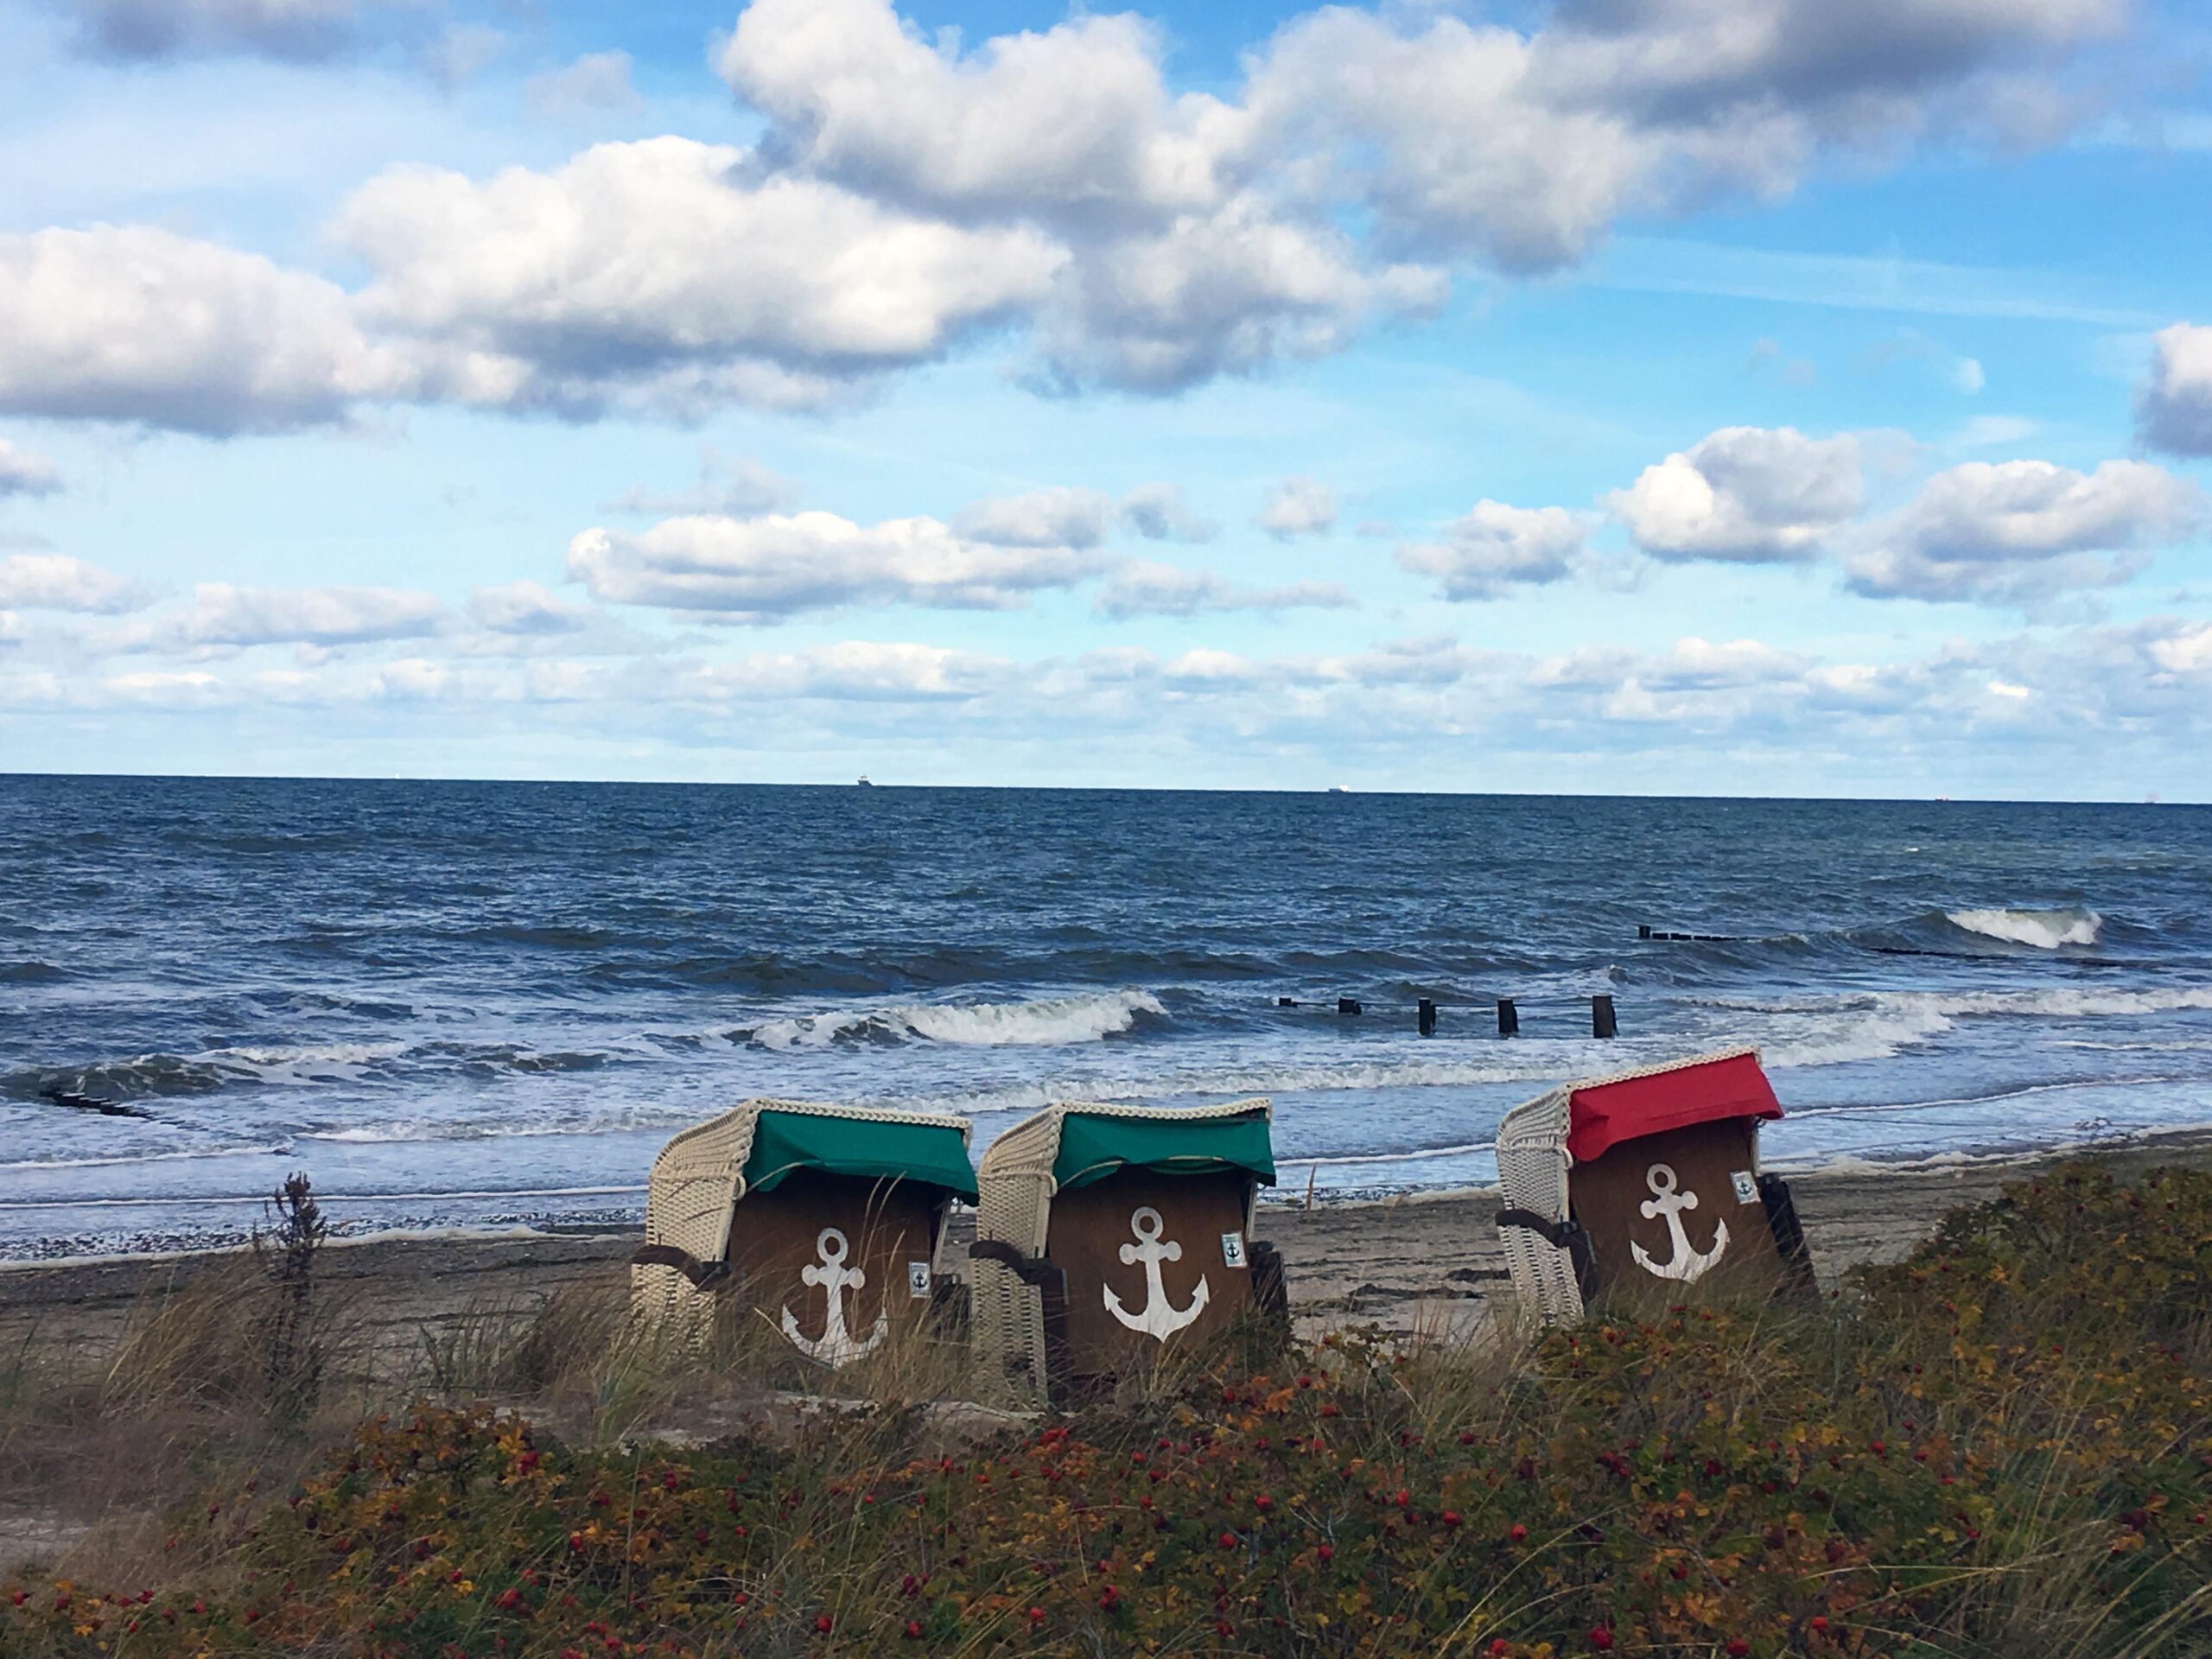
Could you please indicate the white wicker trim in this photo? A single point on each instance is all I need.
(1532, 1163)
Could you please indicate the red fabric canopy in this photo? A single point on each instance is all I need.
(1605, 1113)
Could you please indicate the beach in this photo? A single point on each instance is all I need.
(1425, 1262)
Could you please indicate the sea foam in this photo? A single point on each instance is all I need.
(1044, 1023)
(2046, 930)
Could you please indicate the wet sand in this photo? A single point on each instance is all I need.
(1427, 1261)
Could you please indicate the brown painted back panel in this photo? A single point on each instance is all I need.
(777, 1235)
(1090, 1224)
(1607, 1195)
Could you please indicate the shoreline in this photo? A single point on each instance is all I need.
(1287, 1195)
(1427, 1262)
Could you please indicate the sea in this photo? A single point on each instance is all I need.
(486, 1006)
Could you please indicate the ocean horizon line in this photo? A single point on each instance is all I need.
(861, 780)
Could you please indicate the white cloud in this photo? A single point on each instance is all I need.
(2019, 531)
(1145, 588)
(1298, 506)
(1178, 270)
(2186, 650)
(1231, 292)
(1460, 137)
(735, 487)
(11, 628)
(856, 671)
(909, 196)
(1075, 120)
(1058, 516)
(1968, 377)
(1495, 547)
(595, 83)
(1158, 513)
(23, 473)
(138, 325)
(1743, 493)
(763, 569)
(293, 29)
(460, 53)
(1691, 664)
(1994, 432)
(2173, 408)
(659, 274)
(54, 582)
(1523, 150)
(220, 614)
(525, 608)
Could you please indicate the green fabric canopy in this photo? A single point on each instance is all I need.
(934, 1154)
(1093, 1145)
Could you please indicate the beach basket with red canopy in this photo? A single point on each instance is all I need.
(1646, 1179)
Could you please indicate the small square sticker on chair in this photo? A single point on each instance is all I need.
(917, 1278)
(1232, 1248)
(1747, 1189)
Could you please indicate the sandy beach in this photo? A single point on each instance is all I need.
(1424, 1261)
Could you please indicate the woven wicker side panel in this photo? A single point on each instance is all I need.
(1015, 1183)
(1013, 1203)
(690, 1203)
(1008, 1335)
(1532, 1166)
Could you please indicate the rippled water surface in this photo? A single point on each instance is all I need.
(464, 1004)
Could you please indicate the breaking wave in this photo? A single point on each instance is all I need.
(2046, 930)
(1048, 1023)
(1882, 1024)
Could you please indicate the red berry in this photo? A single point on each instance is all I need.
(914, 1630)
(1738, 1648)
(825, 1624)
(1223, 1627)
(1036, 1615)
(1602, 1638)
(1818, 1622)
(1229, 1541)
(1325, 1553)
(1519, 1534)
(1264, 1502)
(1450, 1517)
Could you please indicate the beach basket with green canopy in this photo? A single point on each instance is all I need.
(825, 1220)
(1106, 1232)
(1643, 1183)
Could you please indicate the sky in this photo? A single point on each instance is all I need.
(1702, 396)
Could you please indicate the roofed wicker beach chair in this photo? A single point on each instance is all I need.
(1646, 1180)
(1106, 1232)
(826, 1220)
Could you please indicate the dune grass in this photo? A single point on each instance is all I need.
(2002, 1446)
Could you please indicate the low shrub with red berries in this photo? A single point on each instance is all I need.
(2002, 1445)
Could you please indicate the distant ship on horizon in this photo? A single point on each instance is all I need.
(863, 782)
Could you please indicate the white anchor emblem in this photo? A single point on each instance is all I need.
(1686, 1264)
(1158, 1319)
(836, 1346)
